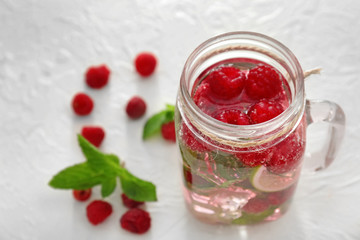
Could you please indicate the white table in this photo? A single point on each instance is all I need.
(45, 48)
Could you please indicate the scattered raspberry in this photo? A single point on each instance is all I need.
(136, 221)
(255, 158)
(93, 134)
(129, 202)
(226, 82)
(168, 131)
(97, 211)
(82, 104)
(82, 195)
(264, 110)
(233, 116)
(97, 76)
(136, 107)
(263, 82)
(256, 205)
(145, 64)
(287, 154)
(191, 141)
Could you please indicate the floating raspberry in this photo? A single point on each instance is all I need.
(145, 63)
(82, 104)
(254, 158)
(168, 131)
(201, 96)
(287, 154)
(136, 107)
(136, 221)
(93, 134)
(129, 202)
(233, 116)
(82, 195)
(263, 82)
(97, 76)
(226, 82)
(97, 211)
(191, 141)
(264, 110)
(256, 205)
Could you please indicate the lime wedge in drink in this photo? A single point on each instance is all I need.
(266, 181)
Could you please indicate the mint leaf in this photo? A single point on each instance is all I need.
(79, 176)
(248, 218)
(136, 188)
(108, 186)
(154, 123)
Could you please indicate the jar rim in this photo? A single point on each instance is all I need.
(289, 118)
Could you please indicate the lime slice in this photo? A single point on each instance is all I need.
(266, 181)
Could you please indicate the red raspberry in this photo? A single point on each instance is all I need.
(93, 134)
(97, 76)
(97, 211)
(145, 64)
(255, 158)
(129, 202)
(136, 107)
(263, 82)
(201, 95)
(233, 116)
(226, 82)
(136, 221)
(256, 205)
(82, 104)
(191, 141)
(287, 154)
(82, 195)
(264, 110)
(168, 131)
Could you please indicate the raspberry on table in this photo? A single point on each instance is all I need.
(226, 82)
(97, 211)
(233, 116)
(256, 205)
(82, 195)
(168, 131)
(93, 134)
(97, 76)
(145, 63)
(82, 104)
(136, 220)
(263, 82)
(264, 110)
(136, 107)
(129, 202)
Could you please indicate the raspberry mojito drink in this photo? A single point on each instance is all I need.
(241, 132)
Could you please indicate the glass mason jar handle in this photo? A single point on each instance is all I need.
(325, 111)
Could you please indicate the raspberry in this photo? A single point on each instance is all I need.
(264, 110)
(226, 82)
(233, 116)
(263, 82)
(168, 131)
(97, 76)
(97, 211)
(287, 154)
(129, 202)
(191, 141)
(93, 134)
(145, 63)
(82, 104)
(256, 205)
(201, 96)
(136, 221)
(136, 107)
(82, 195)
(255, 158)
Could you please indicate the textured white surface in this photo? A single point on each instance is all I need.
(45, 48)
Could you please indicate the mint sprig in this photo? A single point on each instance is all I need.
(154, 123)
(102, 169)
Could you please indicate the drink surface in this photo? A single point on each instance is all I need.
(226, 184)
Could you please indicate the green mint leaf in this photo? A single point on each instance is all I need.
(79, 176)
(136, 188)
(248, 218)
(154, 123)
(108, 186)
